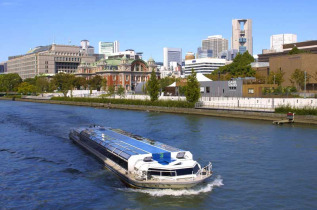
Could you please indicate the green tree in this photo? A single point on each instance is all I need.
(42, 84)
(164, 82)
(153, 87)
(96, 82)
(31, 81)
(240, 67)
(298, 78)
(10, 82)
(121, 91)
(26, 88)
(63, 82)
(295, 50)
(111, 90)
(104, 84)
(192, 89)
(80, 82)
(276, 77)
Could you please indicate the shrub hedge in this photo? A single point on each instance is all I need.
(297, 111)
(180, 104)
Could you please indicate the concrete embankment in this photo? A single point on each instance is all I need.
(303, 119)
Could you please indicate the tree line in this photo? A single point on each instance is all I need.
(63, 82)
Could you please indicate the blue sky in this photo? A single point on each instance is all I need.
(148, 25)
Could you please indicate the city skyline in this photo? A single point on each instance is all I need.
(29, 24)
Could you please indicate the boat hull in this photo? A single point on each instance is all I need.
(163, 184)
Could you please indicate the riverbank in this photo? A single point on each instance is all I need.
(302, 119)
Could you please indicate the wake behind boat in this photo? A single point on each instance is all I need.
(141, 162)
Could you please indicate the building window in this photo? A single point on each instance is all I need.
(126, 78)
(208, 89)
(250, 90)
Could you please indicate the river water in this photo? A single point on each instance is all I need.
(256, 165)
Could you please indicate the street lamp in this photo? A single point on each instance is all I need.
(305, 85)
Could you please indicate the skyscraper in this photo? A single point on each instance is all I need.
(278, 40)
(106, 48)
(214, 43)
(116, 46)
(242, 39)
(172, 54)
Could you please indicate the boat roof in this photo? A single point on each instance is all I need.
(126, 144)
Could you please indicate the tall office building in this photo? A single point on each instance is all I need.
(170, 55)
(215, 43)
(116, 46)
(106, 48)
(242, 39)
(278, 40)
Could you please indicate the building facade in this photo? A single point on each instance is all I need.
(106, 48)
(203, 65)
(277, 41)
(242, 39)
(120, 72)
(215, 44)
(204, 53)
(48, 60)
(289, 63)
(309, 46)
(229, 55)
(116, 46)
(170, 55)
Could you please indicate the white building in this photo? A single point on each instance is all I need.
(203, 65)
(106, 48)
(116, 46)
(214, 43)
(86, 48)
(278, 40)
(170, 55)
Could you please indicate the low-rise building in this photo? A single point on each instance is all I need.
(123, 72)
(203, 65)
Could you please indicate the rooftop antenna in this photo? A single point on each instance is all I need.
(53, 39)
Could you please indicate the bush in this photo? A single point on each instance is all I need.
(180, 104)
(297, 111)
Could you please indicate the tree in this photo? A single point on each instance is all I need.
(164, 82)
(104, 84)
(31, 81)
(298, 78)
(192, 90)
(63, 82)
(95, 82)
(121, 91)
(10, 82)
(79, 82)
(153, 87)
(240, 67)
(111, 90)
(295, 50)
(26, 88)
(42, 84)
(276, 77)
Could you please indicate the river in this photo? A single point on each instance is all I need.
(256, 165)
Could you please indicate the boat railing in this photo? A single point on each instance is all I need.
(202, 173)
(205, 171)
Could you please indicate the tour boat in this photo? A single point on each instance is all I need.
(141, 162)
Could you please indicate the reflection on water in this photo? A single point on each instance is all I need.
(260, 164)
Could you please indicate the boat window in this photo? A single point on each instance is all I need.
(179, 172)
